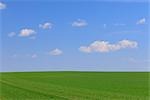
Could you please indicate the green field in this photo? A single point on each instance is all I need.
(74, 86)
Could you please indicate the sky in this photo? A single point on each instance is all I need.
(82, 35)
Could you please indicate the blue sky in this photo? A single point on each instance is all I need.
(81, 35)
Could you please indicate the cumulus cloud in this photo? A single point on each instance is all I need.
(46, 25)
(105, 46)
(11, 34)
(26, 32)
(79, 23)
(2, 6)
(141, 21)
(55, 52)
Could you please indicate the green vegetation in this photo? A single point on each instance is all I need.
(74, 86)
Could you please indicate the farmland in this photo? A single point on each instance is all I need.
(74, 85)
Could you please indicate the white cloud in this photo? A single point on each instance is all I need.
(2, 6)
(11, 34)
(104, 46)
(55, 52)
(141, 21)
(127, 44)
(26, 32)
(46, 25)
(79, 23)
(34, 56)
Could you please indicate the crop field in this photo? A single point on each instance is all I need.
(74, 86)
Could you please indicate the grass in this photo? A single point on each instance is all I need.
(74, 86)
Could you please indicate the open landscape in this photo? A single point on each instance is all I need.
(74, 50)
(74, 86)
